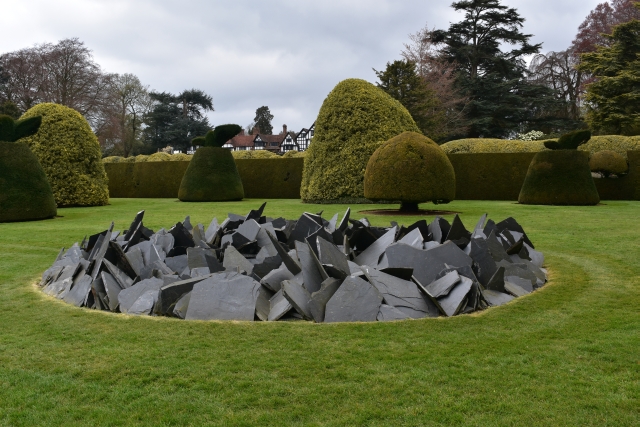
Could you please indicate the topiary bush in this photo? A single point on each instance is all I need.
(569, 141)
(412, 169)
(69, 153)
(618, 143)
(294, 154)
(355, 119)
(25, 193)
(212, 175)
(159, 157)
(181, 157)
(608, 163)
(489, 145)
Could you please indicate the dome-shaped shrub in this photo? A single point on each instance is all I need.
(254, 154)
(159, 157)
(607, 163)
(181, 157)
(69, 153)
(410, 168)
(559, 177)
(354, 120)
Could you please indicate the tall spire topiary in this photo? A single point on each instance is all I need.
(25, 193)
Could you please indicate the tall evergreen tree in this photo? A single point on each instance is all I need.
(401, 80)
(502, 100)
(263, 119)
(613, 100)
(175, 120)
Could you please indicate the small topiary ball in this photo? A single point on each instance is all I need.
(410, 168)
(607, 163)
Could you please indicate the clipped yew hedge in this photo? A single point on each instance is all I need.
(261, 178)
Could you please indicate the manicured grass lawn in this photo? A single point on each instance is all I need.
(568, 354)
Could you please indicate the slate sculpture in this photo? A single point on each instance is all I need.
(25, 192)
(252, 267)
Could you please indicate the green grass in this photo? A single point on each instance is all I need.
(568, 354)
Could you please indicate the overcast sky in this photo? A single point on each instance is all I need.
(286, 54)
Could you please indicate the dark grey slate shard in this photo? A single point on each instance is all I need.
(389, 313)
(537, 258)
(187, 223)
(496, 249)
(372, 254)
(444, 285)
(177, 263)
(136, 260)
(199, 238)
(497, 281)
(278, 306)
(413, 238)
(512, 225)
(224, 296)
(515, 289)
(516, 248)
(100, 293)
(171, 293)
(344, 223)
(238, 240)
(262, 238)
(263, 306)
(113, 289)
(423, 227)
(520, 270)
(182, 236)
(292, 265)
(266, 251)
(211, 231)
(305, 227)
(312, 239)
(438, 230)
(234, 261)
(402, 294)
(134, 225)
(456, 299)
(99, 252)
(483, 263)
(266, 266)
(128, 297)
(163, 240)
(298, 296)
(458, 234)
(355, 301)
(122, 259)
(431, 245)
(478, 230)
(495, 298)
(331, 227)
(200, 271)
(58, 288)
(316, 260)
(540, 273)
(196, 257)
(319, 299)
(169, 279)
(273, 280)
(249, 229)
(256, 214)
(400, 273)
(279, 223)
(180, 309)
(123, 280)
(77, 295)
(519, 281)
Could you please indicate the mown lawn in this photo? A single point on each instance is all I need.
(568, 354)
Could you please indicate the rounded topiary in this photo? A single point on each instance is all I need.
(69, 153)
(254, 154)
(412, 169)
(559, 177)
(181, 157)
(354, 120)
(159, 157)
(607, 163)
(212, 175)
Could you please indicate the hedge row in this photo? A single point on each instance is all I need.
(482, 176)
(261, 178)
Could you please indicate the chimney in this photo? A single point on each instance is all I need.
(284, 129)
(256, 130)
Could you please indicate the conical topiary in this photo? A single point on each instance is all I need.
(412, 169)
(212, 175)
(25, 193)
(561, 176)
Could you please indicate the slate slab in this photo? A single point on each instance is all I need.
(413, 238)
(273, 280)
(355, 301)
(444, 285)
(224, 296)
(495, 298)
(172, 292)
(279, 306)
(263, 306)
(298, 296)
(182, 305)
(455, 299)
(388, 313)
(371, 255)
(234, 261)
(319, 299)
(312, 277)
(80, 291)
(401, 294)
(150, 288)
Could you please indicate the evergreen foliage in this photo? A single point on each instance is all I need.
(212, 176)
(569, 141)
(559, 177)
(412, 169)
(12, 130)
(608, 163)
(502, 99)
(218, 136)
(354, 120)
(262, 120)
(613, 100)
(25, 193)
(70, 155)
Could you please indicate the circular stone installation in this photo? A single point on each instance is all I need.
(252, 267)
